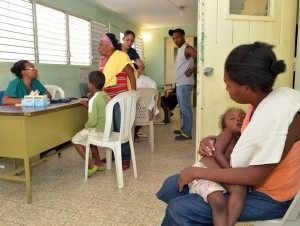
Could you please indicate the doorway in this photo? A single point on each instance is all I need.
(220, 29)
(170, 57)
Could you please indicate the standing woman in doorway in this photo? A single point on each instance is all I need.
(126, 47)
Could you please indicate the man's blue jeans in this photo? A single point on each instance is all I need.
(183, 93)
(117, 122)
(190, 209)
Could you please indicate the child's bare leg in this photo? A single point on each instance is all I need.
(81, 150)
(96, 155)
(235, 202)
(218, 205)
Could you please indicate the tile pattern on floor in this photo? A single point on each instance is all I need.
(61, 197)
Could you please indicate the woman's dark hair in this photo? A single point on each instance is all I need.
(254, 65)
(97, 78)
(128, 32)
(18, 67)
(113, 39)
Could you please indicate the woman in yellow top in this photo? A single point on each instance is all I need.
(120, 76)
(267, 155)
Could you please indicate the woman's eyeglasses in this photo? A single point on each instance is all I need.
(31, 68)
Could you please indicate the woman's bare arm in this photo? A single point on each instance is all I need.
(48, 94)
(10, 100)
(141, 66)
(255, 174)
(129, 71)
(222, 142)
(207, 146)
(293, 134)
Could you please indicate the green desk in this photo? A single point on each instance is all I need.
(28, 131)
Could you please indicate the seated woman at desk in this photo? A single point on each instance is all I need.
(25, 82)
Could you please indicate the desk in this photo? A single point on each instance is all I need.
(28, 131)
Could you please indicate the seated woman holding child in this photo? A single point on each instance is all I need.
(266, 156)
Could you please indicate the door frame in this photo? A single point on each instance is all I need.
(166, 57)
(201, 33)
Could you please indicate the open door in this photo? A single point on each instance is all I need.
(225, 24)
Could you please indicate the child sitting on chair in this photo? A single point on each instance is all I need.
(96, 120)
(223, 212)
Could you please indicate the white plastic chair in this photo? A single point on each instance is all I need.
(53, 89)
(146, 109)
(291, 217)
(113, 140)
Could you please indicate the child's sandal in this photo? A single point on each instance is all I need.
(101, 168)
(92, 171)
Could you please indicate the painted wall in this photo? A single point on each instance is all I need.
(154, 48)
(66, 76)
(297, 78)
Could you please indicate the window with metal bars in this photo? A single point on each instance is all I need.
(96, 30)
(80, 41)
(16, 31)
(45, 35)
(51, 31)
(139, 47)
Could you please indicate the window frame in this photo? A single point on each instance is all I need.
(269, 17)
(34, 32)
(62, 43)
(96, 30)
(20, 51)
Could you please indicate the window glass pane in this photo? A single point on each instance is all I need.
(250, 7)
(16, 31)
(80, 41)
(51, 35)
(97, 30)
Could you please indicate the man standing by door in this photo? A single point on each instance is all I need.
(185, 68)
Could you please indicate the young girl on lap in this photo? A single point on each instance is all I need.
(212, 192)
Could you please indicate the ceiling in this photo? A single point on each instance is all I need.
(153, 13)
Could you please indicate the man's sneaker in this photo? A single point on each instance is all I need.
(178, 131)
(183, 136)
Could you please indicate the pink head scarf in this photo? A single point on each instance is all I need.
(104, 38)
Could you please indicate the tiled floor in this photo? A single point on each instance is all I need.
(61, 197)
